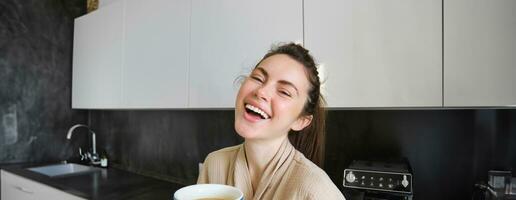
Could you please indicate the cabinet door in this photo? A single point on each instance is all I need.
(97, 58)
(156, 54)
(228, 38)
(479, 53)
(20, 188)
(376, 53)
(11, 189)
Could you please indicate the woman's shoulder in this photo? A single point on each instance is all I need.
(216, 166)
(313, 180)
(307, 167)
(225, 153)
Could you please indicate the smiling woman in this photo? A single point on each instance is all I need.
(279, 112)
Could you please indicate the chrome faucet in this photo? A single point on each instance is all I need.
(93, 156)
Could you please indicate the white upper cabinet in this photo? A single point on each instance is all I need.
(228, 38)
(97, 58)
(377, 53)
(479, 53)
(157, 36)
(132, 54)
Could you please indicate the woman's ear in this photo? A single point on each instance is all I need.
(302, 122)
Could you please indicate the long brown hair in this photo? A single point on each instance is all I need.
(309, 141)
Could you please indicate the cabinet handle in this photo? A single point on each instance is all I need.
(23, 189)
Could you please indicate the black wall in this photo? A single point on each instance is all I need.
(35, 79)
(449, 150)
(163, 144)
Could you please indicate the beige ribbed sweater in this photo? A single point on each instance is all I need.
(288, 176)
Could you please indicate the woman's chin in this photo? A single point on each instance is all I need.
(245, 131)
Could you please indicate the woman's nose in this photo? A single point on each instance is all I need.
(264, 92)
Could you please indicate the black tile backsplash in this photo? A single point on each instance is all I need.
(449, 150)
(163, 144)
(36, 39)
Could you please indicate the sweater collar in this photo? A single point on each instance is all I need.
(271, 175)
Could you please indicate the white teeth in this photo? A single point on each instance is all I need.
(257, 110)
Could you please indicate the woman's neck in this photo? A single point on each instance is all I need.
(259, 153)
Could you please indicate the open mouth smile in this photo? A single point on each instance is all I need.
(257, 112)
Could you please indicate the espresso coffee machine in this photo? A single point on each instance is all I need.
(378, 180)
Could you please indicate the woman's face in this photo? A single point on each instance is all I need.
(270, 101)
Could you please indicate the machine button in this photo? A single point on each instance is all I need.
(350, 177)
(404, 182)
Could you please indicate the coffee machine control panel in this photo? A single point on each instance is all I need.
(378, 180)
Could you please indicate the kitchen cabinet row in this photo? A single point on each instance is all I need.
(133, 54)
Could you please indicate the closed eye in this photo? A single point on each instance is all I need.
(256, 78)
(285, 93)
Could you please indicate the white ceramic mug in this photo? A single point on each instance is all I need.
(208, 191)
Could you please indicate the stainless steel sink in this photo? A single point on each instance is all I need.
(63, 169)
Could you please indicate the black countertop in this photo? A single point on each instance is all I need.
(107, 183)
